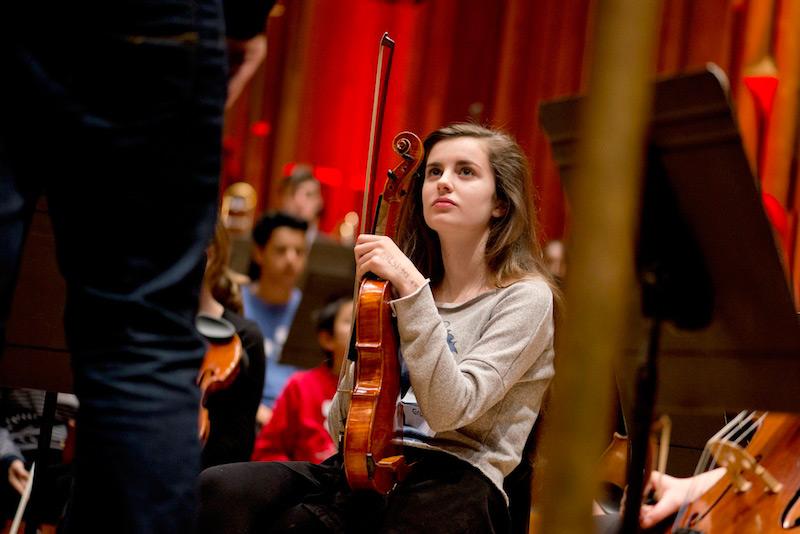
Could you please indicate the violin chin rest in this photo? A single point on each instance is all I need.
(215, 329)
(609, 498)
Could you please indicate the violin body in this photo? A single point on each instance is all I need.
(372, 455)
(372, 447)
(614, 463)
(723, 509)
(613, 471)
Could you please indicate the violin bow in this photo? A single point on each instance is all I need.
(376, 126)
(378, 105)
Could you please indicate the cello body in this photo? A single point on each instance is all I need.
(372, 453)
(722, 509)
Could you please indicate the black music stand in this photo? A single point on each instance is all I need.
(330, 273)
(711, 290)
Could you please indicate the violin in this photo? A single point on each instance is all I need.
(220, 365)
(614, 463)
(372, 456)
(760, 492)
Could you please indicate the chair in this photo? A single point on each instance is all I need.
(518, 485)
(35, 354)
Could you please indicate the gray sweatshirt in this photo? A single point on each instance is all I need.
(478, 372)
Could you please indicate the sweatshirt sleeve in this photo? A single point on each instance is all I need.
(454, 393)
(337, 416)
(8, 450)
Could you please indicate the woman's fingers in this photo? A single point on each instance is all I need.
(381, 256)
(18, 475)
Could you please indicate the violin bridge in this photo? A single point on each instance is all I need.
(737, 462)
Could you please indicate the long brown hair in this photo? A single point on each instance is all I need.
(223, 287)
(512, 248)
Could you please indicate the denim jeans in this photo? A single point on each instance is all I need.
(113, 110)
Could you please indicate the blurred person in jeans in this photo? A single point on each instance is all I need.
(113, 110)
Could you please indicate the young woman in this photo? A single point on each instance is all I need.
(231, 411)
(474, 311)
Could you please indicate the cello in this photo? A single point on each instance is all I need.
(372, 456)
(760, 491)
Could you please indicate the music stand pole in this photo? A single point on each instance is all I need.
(646, 383)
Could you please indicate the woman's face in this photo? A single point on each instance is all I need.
(458, 194)
(306, 201)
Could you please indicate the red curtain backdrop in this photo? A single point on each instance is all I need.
(455, 60)
(493, 62)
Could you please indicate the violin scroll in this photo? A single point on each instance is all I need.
(409, 147)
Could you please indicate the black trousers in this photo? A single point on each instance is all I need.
(441, 494)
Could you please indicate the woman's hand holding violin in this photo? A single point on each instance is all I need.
(381, 256)
(18, 476)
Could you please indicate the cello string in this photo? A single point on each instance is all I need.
(742, 426)
(735, 433)
(707, 459)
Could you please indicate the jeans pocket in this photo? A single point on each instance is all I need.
(139, 81)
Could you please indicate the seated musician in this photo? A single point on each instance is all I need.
(474, 310)
(301, 197)
(297, 429)
(231, 411)
(20, 427)
(279, 254)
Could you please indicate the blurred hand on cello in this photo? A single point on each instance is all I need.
(671, 492)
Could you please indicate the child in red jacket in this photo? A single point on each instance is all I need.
(298, 427)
